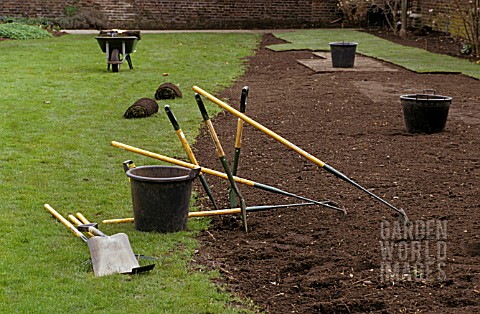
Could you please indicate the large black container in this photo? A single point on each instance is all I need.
(425, 113)
(161, 197)
(343, 54)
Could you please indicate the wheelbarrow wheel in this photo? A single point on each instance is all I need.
(115, 59)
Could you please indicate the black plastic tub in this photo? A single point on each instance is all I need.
(425, 113)
(343, 54)
(161, 197)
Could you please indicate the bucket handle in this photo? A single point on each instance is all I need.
(127, 165)
(194, 173)
(426, 93)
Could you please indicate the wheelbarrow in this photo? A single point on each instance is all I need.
(118, 46)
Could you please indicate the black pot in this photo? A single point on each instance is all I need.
(425, 113)
(343, 54)
(161, 197)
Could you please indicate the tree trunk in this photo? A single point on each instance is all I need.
(476, 26)
(404, 8)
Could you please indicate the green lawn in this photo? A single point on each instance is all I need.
(414, 59)
(59, 110)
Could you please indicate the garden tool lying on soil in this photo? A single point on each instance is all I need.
(297, 149)
(110, 254)
(189, 152)
(238, 142)
(222, 158)
(217, 212)
(329, 204)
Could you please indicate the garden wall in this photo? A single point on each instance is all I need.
(444, 15)
(184, 14)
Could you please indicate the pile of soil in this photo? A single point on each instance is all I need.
(309, 259)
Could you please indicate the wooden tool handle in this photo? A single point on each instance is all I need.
(65, 222)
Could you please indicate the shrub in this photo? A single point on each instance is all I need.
(42, 22)
(353, 11)
(84, 18)
(22, 31)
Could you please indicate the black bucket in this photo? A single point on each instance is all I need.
(161, 197)
(425, 113)
(343, 54)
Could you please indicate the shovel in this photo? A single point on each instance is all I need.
(318, 162)
(110, 254)
(82, 220)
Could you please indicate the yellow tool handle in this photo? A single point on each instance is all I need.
(78, 223)
(179, 162)
(75, 220)
(187, 147)
(258, 126)
(238, 137)
(64, 221)
(117, 221)
(214, 136)
(190, 215)
(82, 218)
(215, 212)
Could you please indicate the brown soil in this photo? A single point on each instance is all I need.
(310, 260)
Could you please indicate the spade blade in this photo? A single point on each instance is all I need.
(112, 255)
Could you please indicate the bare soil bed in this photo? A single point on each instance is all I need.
(309, 259)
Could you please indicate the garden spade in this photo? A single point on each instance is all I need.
(110, 254)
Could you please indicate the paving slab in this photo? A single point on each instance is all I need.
(322, 62)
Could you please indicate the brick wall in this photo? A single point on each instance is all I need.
(443, 16)
(187, 14)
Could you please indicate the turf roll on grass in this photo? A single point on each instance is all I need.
(168, 91)
(144, 107)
